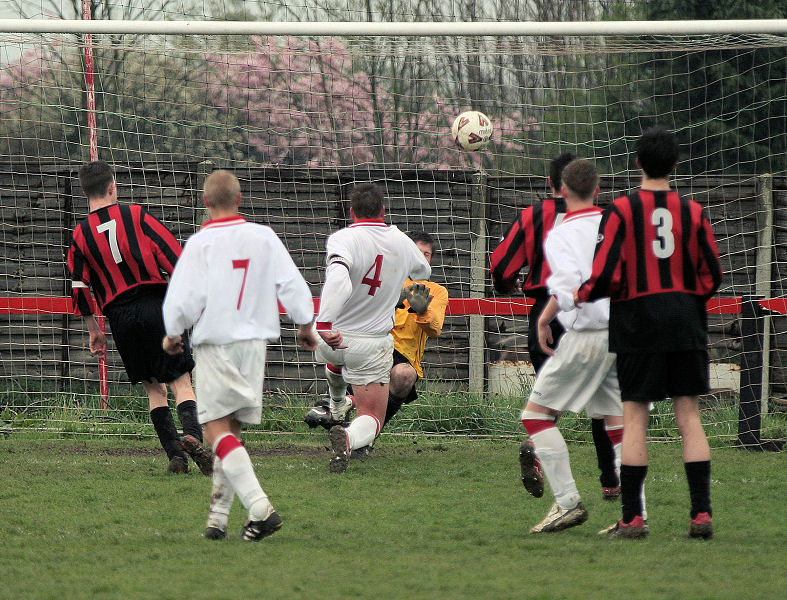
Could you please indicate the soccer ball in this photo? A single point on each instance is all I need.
(472, 130)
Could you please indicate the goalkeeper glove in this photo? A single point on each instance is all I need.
(417, 295)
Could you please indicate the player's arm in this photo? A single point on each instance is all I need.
(335, 292)
(293, 293)
(431, 321)
(336, 289)
(82, 301)
(185, 298)
(165, 247)
(544, 331)
(508, 259)
(709, 270)
(566, 274)
(607, 276)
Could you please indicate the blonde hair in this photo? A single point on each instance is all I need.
(221, 189)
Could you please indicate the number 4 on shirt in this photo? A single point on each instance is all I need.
(374, 281)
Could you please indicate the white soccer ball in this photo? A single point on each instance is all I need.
(472, 130)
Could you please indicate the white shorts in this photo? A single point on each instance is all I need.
(580, 375)
(229, 380)
(367, 358)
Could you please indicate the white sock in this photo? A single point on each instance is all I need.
(337, 387)
(239, 471)
(337, 390)
(552, 451)
(362, 431)
(221, 497)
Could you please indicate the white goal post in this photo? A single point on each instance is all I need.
(400, 29)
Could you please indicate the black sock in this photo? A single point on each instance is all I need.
(187, 413)
(631, 480)
(394, 404)
(164, 425)
(605, 454)
(698, 476)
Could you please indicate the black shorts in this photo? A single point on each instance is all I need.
(650, 377)
(138, 328)
(399, 358)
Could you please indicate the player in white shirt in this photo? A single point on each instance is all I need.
(227, 286)
(367, 264)
(580, 373)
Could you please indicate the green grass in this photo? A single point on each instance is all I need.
(423, 518)
(29, 411)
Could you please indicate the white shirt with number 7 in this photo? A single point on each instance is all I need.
(228, 282)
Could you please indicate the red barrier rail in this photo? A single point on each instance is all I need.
(488, 307)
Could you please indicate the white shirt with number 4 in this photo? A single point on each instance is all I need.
(367, 265)
(228, 283)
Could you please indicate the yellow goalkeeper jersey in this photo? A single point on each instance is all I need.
(410, 330)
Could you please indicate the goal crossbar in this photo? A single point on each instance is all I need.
(393, 29)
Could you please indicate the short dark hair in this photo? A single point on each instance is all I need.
(556, 168)
(581, 177)
(422, 237)
(366, 200)
(657, 152)
(95, 177)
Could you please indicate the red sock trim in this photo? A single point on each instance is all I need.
(226, 445)
(334, 368)
(534, 426)
(615, 436)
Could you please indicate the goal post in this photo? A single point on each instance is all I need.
(302, 111)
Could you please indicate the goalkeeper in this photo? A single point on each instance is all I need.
(419, 316)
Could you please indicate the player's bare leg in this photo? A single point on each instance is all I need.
(403, 378)
(186, 404)
(696, 461)
(164, 425)
(235, 467)
(371, 401)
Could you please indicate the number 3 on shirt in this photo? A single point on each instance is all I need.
(374, 281)
(241, 264)
(664, 244)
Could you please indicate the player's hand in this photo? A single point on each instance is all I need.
(306, 338)
(517, 289)
(575, 293)
(418, 297)
(402, 297)
(545, 337)
(173, 345)
(98, 344)
(333, 339)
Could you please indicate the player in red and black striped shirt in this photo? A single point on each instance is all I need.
(122, 254)
(657, 260)
(523, 245)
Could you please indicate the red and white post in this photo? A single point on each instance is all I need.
(90, 101)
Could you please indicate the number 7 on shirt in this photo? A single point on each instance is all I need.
(242, 263)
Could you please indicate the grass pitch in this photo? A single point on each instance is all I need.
(421, 519)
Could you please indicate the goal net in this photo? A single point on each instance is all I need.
(301, 118)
